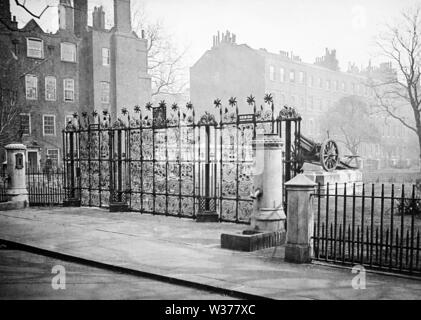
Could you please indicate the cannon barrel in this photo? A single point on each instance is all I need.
(325, 154)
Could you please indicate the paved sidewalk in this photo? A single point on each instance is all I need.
(188, 251)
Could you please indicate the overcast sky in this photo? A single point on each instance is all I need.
(305, 27)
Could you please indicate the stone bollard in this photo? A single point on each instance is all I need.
(298, 247)
(268, 213)
(16, 163)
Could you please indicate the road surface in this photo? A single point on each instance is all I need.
(24, 275)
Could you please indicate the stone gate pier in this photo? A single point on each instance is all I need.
(17, 193)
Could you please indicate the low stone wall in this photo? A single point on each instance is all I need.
(340, 177)
(391, 176)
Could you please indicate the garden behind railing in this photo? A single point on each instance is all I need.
(377, 226)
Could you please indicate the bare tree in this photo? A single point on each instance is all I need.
(349, 121)
(24, 6)
(9, 113)
(165, 60)
(9, 106)
(398, 92)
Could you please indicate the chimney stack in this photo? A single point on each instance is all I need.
(98, 18)
(66, 16)
(122, 17)
(81, 16)
(5, 14)
(14, 23)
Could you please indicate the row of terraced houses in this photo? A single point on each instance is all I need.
(231, 69)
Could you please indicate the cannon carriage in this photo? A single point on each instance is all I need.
(325, 154)
(305, 150)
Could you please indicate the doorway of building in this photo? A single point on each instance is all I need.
(32, 160)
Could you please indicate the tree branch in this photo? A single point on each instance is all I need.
(23, 5)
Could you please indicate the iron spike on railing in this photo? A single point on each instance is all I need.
(232, 101)
(137, 110)
(149, 106)
(76, 116)
(189, 106)
(85, 118)
(125, 112)
(95, 115)
(268, 98)
(251, 100)
(217, 103)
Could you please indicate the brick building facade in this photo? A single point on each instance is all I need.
(78, 68)
(113, 62)
(46, 76)
(231, 69)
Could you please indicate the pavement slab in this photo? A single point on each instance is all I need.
(182, 249)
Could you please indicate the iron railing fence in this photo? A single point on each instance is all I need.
(377, 226)
(45, 187)
(171, 162)
(3, 185)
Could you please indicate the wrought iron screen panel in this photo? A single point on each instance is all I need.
(164, 162)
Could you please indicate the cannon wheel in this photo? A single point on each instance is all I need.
(329, 155)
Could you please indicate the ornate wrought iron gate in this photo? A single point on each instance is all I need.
(167, 162)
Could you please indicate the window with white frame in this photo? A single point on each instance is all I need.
(272, 73)
(320, 82)
(105, 56)
(68, 52)
(53, 154)
(105, 92)
(25, 123)
(69, 90)
(301, 77)
(343, 87)
(50, 88)
(49, 125)
(282, 74)
(34, 48)
(292, 76)
(327, 84)
(310, 81)
(31, 87)
(335, 85)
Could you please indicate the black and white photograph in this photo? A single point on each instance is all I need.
(210, 154)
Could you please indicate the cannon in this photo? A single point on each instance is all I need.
(324, 154)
